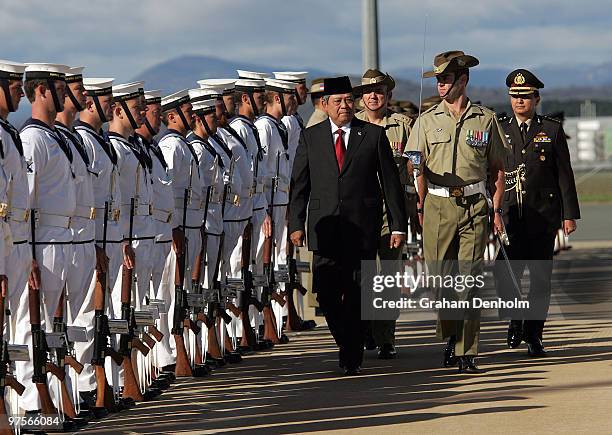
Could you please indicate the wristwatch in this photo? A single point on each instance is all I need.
(499, 210)
(419, 210)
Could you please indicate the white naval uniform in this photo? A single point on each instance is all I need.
(104, 161)
(53, 192)
(211, 170)
(272, 143)
(236, 186)
(184, 171)
(135, 182)
(81, 277)
(162, 277)
(19, 260)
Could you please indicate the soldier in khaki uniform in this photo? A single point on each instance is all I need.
(375, 91)
(316, 94)
(461, 146)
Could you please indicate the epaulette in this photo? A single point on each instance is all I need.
(502, 117)
(431, 109)
(401, 118)
(548, 118)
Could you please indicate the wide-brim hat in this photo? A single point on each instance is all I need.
(372, 78)
(451, 61)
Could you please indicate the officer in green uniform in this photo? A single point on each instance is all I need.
(461, 146)
(375, 91)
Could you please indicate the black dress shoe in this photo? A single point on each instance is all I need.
(369, 343)
(200, 371)
(284, 339)
(515, 334)
(535, 348)
(352, 371)
(467, 365)
(387, 351)
(233, 357)
(450, 359)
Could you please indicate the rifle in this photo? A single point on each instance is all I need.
(215, 309)
(269, 290)
(294, 321)
(102, 348)
(131, 390)
(183, 367)
(6, 380)
(39, 342)
(249, 340)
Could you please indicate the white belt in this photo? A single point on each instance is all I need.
(233, 199)
(53, 220)
(113, 214)
(19, 214)
(215, 197)
(260, 187)
(162, 215)
(448, 192)
(139, 210)
(194, 205)
(85, 212)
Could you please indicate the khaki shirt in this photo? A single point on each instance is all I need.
(458, 152)
(397, 129)
(316, 117)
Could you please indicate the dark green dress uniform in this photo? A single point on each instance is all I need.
(540, 194)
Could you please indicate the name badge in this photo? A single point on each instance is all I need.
(477, 138)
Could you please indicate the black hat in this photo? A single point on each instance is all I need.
(522, 82)
(337, 85)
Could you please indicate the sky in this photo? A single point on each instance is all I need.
(121, 38)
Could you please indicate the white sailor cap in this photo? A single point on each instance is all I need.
(175, 100)
(11, 70)
(223, 86)
(204, 107)
(128, 91)
(74, 74)
(291, 76)
(205, 94)
(98, 86)
(280, 86)
(45, 71)
(250, 85)
(153, 96)
(252, 75)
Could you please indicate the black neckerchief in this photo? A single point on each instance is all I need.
(75, 139)
(61, 142)
(236, 136)
(107, 147)
(299, 120)
(223, 145)
(174, 133)
(141, 153)
(282, 130)
(12, 131)
(208, 146)
(253, 128)
(152, 147)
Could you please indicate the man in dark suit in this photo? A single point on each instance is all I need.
(343, 170)
(540, 198)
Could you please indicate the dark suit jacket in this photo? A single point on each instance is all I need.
(550, 191)
(345, 208)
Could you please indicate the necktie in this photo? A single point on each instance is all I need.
(340, 148)
(524, 131)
